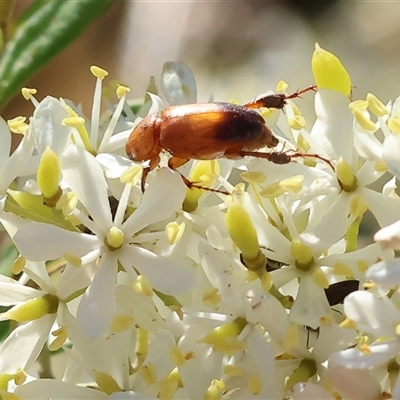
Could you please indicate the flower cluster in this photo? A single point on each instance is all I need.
(194, 293)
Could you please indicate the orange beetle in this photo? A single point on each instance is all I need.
(206, 131)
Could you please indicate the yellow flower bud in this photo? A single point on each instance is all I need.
(48, 177)
(302, 254)
(243, 233)
(347, 180)
(32, 309)
(329, 72)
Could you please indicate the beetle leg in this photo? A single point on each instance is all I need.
(153, 163)
(277, 157)
(176, 162)
(277, 100)
(283, 157)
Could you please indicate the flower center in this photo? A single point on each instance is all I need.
(114, 238)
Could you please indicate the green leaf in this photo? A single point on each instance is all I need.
(42, 32)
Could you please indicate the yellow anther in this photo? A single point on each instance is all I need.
(174, 232)
(376, 106)
(327, 320)
(292, 184)
(297, 122)
(362, 266)
(255, 385)
(211, 297)
(342, 269)
(348, 324)
(176, 356)
(148, 373)
(73, 259)
(281, 86)
(253, 177)
(358, 104)
(143, 286)
(20, 377)
(302, 144)
(365, 349)
(17, 125)
(291, 339)
(106, 382)
(121, 323)
(363, 120)
(61, 335)
(98, 72)
(67, 202)
(27, 93)
(233, 101)
(122, 91)
(74, 122)
(380, 166)
(18, 265)
(320, 279)
(266, 281)
(273, 190)
(394, 124)
(267, 113)
(233, 370)
(131, 175)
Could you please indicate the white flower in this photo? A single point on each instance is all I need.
(112, 240)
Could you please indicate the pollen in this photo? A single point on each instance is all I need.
(98, 72)
(143, 286)
(211, 297)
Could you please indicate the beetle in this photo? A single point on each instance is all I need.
(206, 131)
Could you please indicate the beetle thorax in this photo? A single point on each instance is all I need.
(144, 139)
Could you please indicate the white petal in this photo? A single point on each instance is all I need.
(113, 164)
(165, 275)
(57, 390)
(46, 125)
(371, 313)
(355, 358)
(97, 307)
(379, 205)
(85, 177)
(178, 83)
(161, 199)
(385, 273)
(263, 356)
(328, 105)
(354, 383)
(12, 292)
(43, 242)
(5, 140)
(310, 305)
(310, 391)
(391, 154)
(15, 164)
(24, 344)
(389, 236)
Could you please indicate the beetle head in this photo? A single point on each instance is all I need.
(143, 140)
